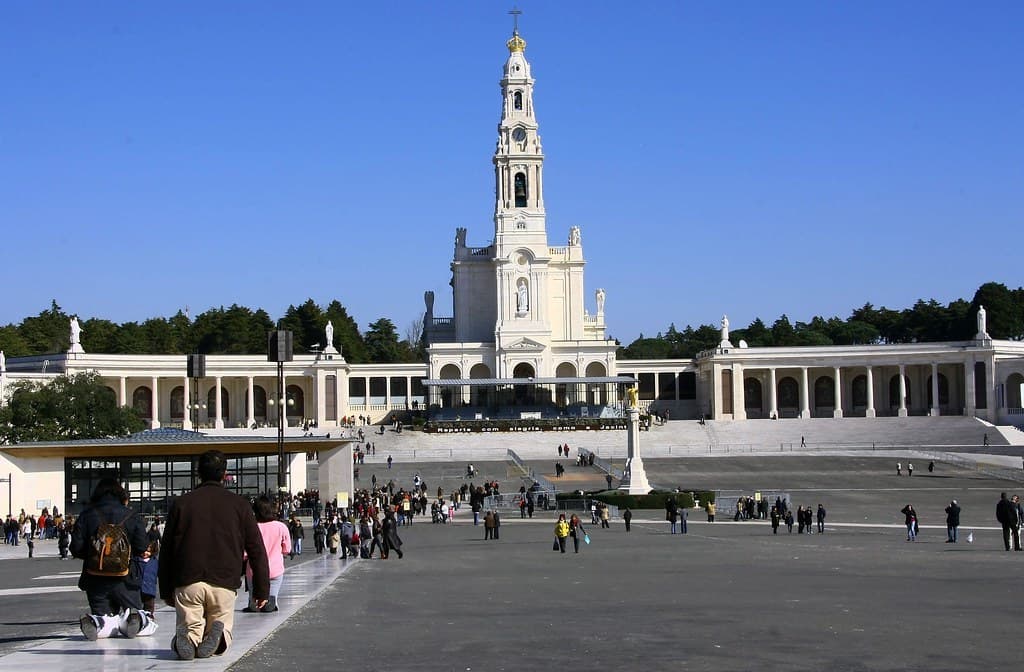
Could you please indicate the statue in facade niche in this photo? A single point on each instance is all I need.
(599, 294)
(522, 297)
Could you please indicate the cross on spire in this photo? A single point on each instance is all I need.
(515, 12)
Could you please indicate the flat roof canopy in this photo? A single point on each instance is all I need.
(491, 382)
(169, 441)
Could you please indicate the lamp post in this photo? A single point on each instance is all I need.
(279, 350)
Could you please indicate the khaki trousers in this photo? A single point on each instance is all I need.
(198, 605)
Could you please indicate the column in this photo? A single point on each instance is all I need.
(122, 392)
(218, 423)
(805, 410)
(186, 421)
(739, 410)
(935, 389)
(903, 391)
(320, 384)
(990, 388)
(773, 403)
(343, 398)
(154, 421)
(408, 392)
(971, 401)
(837, 412)
(870, 411)
(250, 396)
(387, 393)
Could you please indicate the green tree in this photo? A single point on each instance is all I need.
(382, 344)
(65, 409)
(100, 336)
(1003, 311)
(12, 343)
(347, 338)
(48, 332)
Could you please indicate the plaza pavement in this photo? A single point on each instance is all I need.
(727, 596)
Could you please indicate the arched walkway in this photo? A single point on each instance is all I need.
(211, 404)
(449, 394)
(753, 397)
(1014, 383)
(479, 396)
(178, 403)
(142, 402)
(565, 394)
(824, 396)
(943, 392)
(524, 394)
(789, 397)
(597, 393)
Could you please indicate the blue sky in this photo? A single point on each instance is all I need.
(744, 158)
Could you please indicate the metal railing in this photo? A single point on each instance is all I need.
(601, 463)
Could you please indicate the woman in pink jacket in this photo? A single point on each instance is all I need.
(278, 541)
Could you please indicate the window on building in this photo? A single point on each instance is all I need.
(517, 100)
(520, 190)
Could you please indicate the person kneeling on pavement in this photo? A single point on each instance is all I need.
(206, 534)
(110, 538)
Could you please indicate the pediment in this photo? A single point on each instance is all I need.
(525, 345)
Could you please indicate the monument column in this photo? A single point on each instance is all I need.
(773, 404)
(250, 397)
(154, 420)
(902, 412)
(869, 412)
(805, 411)
(634, 478)
(122, 392)
(935, 389)
(837, 411)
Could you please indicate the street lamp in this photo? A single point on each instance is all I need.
(194, 414)
(279, 350)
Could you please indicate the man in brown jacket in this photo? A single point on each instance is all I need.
(206, 533)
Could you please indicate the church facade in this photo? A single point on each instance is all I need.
(520, 306)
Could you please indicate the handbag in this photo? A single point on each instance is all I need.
(586, 538)
(554, 545)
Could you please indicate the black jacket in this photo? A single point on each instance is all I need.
(107, 510)
(1006, 513)
(206, 533)
(953, 515)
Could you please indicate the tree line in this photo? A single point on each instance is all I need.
(926, 321)
(236, 330)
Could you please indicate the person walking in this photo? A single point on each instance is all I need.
(952, 522)
(710, 508)
(1006, 514)
(627, 517)
(389, 530)
(298, 534)
(561, 531)
(277, 541)
(207, 532)
(115, 604)
(775, 520)
(910, 520)
(910, 468)
(576, 531)
(489, 525)
(821, 519)
(899, 469)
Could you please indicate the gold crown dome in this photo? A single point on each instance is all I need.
(516, 44)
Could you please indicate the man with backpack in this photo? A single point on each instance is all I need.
(106, 537)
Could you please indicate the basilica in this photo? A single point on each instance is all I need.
(526, 341)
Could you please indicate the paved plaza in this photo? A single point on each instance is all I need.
(726, 596)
